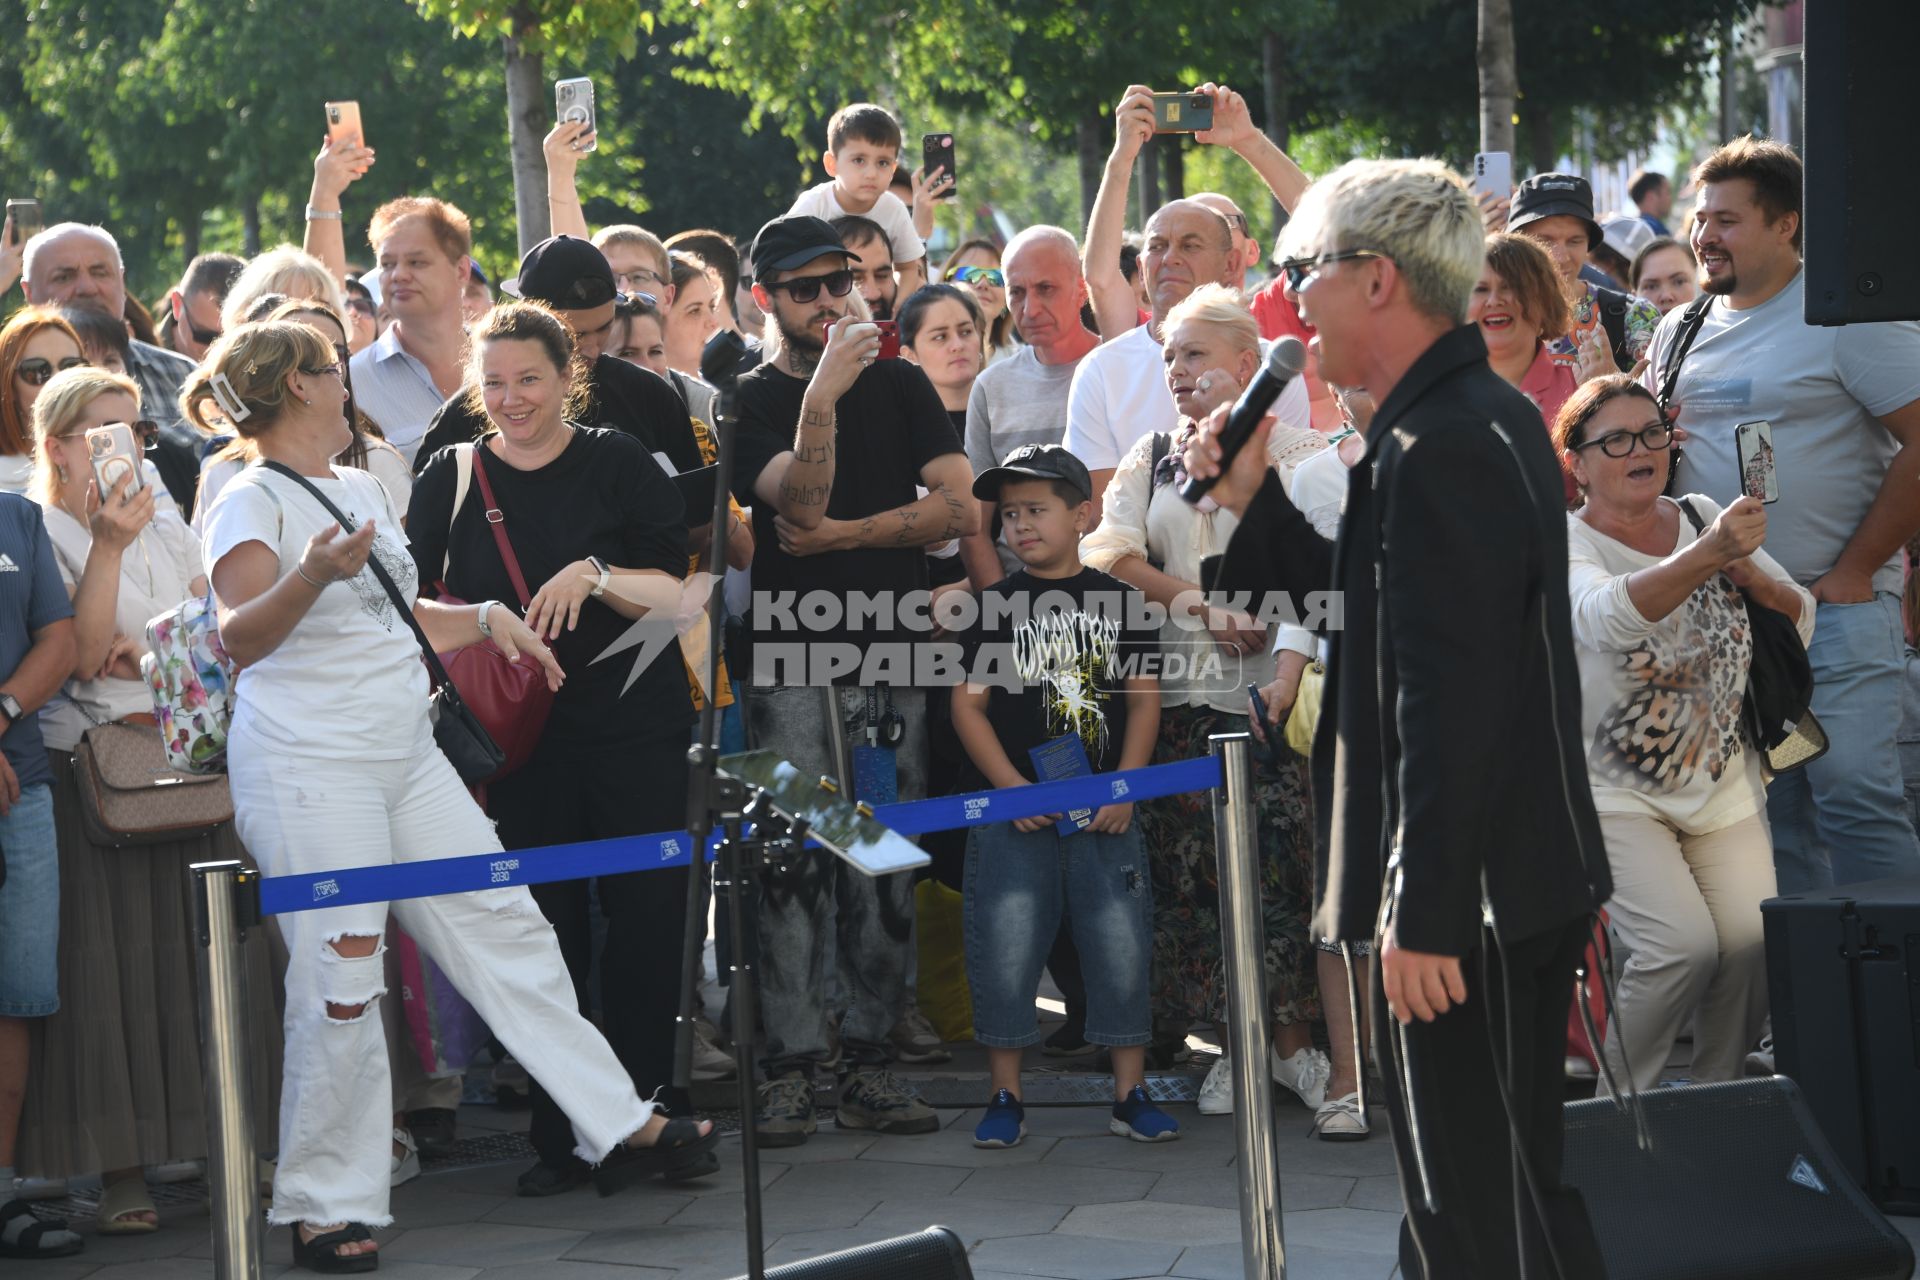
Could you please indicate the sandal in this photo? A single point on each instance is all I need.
(678, 1147)
(119, 1201)
(318, 1254)
(38, 1237)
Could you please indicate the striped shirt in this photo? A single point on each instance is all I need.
(395, 389)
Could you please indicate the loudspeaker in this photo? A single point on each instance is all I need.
(933, 1254)
(1843, 972)
(1736, 1184)
(1861, 188)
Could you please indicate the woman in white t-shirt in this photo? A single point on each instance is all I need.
(117, 1084)
(1663, 641)
(333, 764)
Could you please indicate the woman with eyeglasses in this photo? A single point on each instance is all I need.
(118, 1086)
(35, 344)
(1662, 637)
(976, 265)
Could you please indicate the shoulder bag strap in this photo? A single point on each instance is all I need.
(497, 521)
(1690, 322)
(1693, 517)
(462, 481)
(438, 672)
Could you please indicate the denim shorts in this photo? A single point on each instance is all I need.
(1019, 886)
(30, 908)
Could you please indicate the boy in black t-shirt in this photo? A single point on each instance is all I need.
(1052, 691)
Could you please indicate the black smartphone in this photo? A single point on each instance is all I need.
(1182, 112)
(1258, 706)
(936, 152)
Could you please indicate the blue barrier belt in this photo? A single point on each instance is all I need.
(351, 886)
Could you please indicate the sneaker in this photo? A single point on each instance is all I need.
(710, 1062)
(1306, 1073)
(785, 1117)
(915, 1041)
(406, 1167)
(1760, 1061)
(1070, 1041)
(1136, 1117)
(433, 1129)
(1341, 1120)
(1216, 1091)
(875, 1099)
(1578, 1068)
(1004, 1124)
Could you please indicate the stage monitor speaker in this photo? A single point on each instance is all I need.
(1843, 974)
(1861, 185)
(933, 1254)
(1737, 1184)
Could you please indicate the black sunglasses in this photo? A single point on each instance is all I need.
(205, 337)
(1296, 270)
(35, 370)
(807, 288)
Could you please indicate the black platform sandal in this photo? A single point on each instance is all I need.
(318, 1253)
(30, 1241)
(676, 1151)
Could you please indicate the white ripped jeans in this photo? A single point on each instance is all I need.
(299, 814)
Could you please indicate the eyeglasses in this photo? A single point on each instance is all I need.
(634, 281)
(979, 275)
(807, 288)
(360, 306)
(1654, 437)
(1298, 270)
(335, 369)
(35, 370)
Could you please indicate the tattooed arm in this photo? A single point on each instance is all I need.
(948, 511)
(800, 483)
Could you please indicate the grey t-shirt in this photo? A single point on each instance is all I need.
(1822, 390)
(1014, 402)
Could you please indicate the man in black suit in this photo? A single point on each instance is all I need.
(1456, 827)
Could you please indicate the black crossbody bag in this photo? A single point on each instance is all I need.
(460, 735)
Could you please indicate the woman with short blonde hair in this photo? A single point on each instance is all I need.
(284, 270)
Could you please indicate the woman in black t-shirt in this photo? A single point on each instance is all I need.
(596, 527)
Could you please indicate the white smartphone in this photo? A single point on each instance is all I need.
(1493, 172)
(573, 104)
(114, 454)
(1759, 478)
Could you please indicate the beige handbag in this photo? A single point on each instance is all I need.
(130, 795)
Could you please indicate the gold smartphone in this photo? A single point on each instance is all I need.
(343, 123)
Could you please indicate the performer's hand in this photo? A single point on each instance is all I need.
(1419, 984)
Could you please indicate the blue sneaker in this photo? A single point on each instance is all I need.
(1136, 1117)
(1004, 1124)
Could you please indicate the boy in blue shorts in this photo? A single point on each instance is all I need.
(1052, 689)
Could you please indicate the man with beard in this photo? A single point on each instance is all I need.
(1844, 409)
(870, 255)
(830, 446)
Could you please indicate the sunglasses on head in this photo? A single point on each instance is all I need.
(35, 370)
(979, 275)
(807, 288)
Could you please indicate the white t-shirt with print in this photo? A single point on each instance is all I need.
(347, 683)
(890, 211)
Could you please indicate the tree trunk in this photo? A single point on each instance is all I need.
(1147, 180)
(1274, 89)
(1092, 163)
(250, 226)
(1173, 164)
(1499, 85)
(526, 126)
(1542, 154)
(1729, 78)
(190, 235)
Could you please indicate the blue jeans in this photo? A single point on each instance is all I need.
(1843, 818)
(30, 908)
(1019, 884)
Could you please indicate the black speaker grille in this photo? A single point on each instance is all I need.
(933, 1254)
(1738, 1185)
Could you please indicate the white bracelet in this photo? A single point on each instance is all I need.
(322, 215)
(480, 618)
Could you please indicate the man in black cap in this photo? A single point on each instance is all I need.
(832, 448)
(572, 278)
(1611, 330)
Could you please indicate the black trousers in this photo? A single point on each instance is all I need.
(564, 796)
(1483, 1224)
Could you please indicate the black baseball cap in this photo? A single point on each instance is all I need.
(1552, 195)
(566, 273)
(1035, 462)
(793, 241)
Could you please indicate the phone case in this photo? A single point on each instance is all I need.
(889, 340)
(1182, 112)
(113, 453)
(1493, 172)
(936, 152)
(343, 121)
(1759, 477)
(573, 103)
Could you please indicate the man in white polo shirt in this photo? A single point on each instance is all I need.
(405, 375)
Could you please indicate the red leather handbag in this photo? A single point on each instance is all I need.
(511, 699)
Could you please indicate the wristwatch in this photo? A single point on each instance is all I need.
(486, 607)
(600, 567)
(10, 707)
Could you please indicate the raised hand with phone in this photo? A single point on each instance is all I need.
(343, 160)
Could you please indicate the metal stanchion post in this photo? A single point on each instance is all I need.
(231, 1175)
(1243, 941)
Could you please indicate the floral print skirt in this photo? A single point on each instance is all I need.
(1189, 974)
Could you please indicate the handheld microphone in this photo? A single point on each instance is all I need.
(1284, 362)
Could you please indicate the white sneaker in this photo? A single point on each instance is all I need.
(1341, 1120)
(1760, 1061)
(1306, 1073)
(405, 1168)
(1216, 1091)
(710, 1061)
